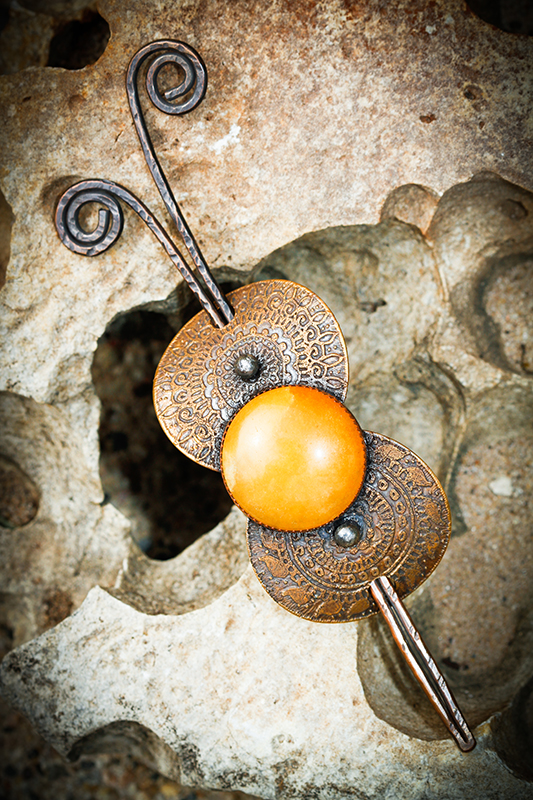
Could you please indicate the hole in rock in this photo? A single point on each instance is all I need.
(6, 224)
(513, 734)
(78, 43)
(128, 738)
(169, 499)
(19, 497)
(6, 638)
(511, 16)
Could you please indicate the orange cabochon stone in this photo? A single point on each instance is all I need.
(293, 458)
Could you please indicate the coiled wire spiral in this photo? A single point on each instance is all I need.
(188, 94)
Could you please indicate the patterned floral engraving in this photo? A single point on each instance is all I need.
(291, 332)
(404, 518)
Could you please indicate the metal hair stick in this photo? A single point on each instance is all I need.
(180, 55)
(276, 333)
(422, 665)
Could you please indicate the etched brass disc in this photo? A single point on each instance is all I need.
(404, 520)
(289, 331)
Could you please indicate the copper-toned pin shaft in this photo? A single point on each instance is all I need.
(419, 659)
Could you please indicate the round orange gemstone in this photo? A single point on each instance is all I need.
(293, 458)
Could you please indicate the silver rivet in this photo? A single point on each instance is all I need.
(347, 535)
(247, 366)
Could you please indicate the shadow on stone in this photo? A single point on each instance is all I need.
(514, 17)
(19, 496)
(169, 499)
(133, 739)
(79, 42)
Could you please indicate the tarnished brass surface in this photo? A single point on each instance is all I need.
(404, 517)
(291, 332)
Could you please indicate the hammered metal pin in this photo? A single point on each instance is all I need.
(263, 336)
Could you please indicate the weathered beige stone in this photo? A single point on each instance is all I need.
(313, 115)
(411, 203)
(73, 541)
(475, 611)
(244, 695)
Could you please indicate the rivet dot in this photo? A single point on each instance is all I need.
(247, 366)
(347, 535)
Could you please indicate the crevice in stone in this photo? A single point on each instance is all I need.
(513, 734)
(79, 42)
(496, 307)
(511, 16)
(57, 606)
(169, 499)
(129, 738)
(507, 299)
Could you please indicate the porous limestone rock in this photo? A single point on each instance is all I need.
(198, 666)
(314, 114)
(72, 542)
(244, 696)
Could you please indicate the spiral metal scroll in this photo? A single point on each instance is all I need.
(180, 100)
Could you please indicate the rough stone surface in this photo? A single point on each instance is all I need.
(411, 203)
(261, 674)
(73, 542)
(314, 114)
(236, 712)
(19, 496)
(204, 571)
(25, 40)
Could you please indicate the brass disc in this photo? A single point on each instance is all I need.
(286, 327)
(404, 520)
